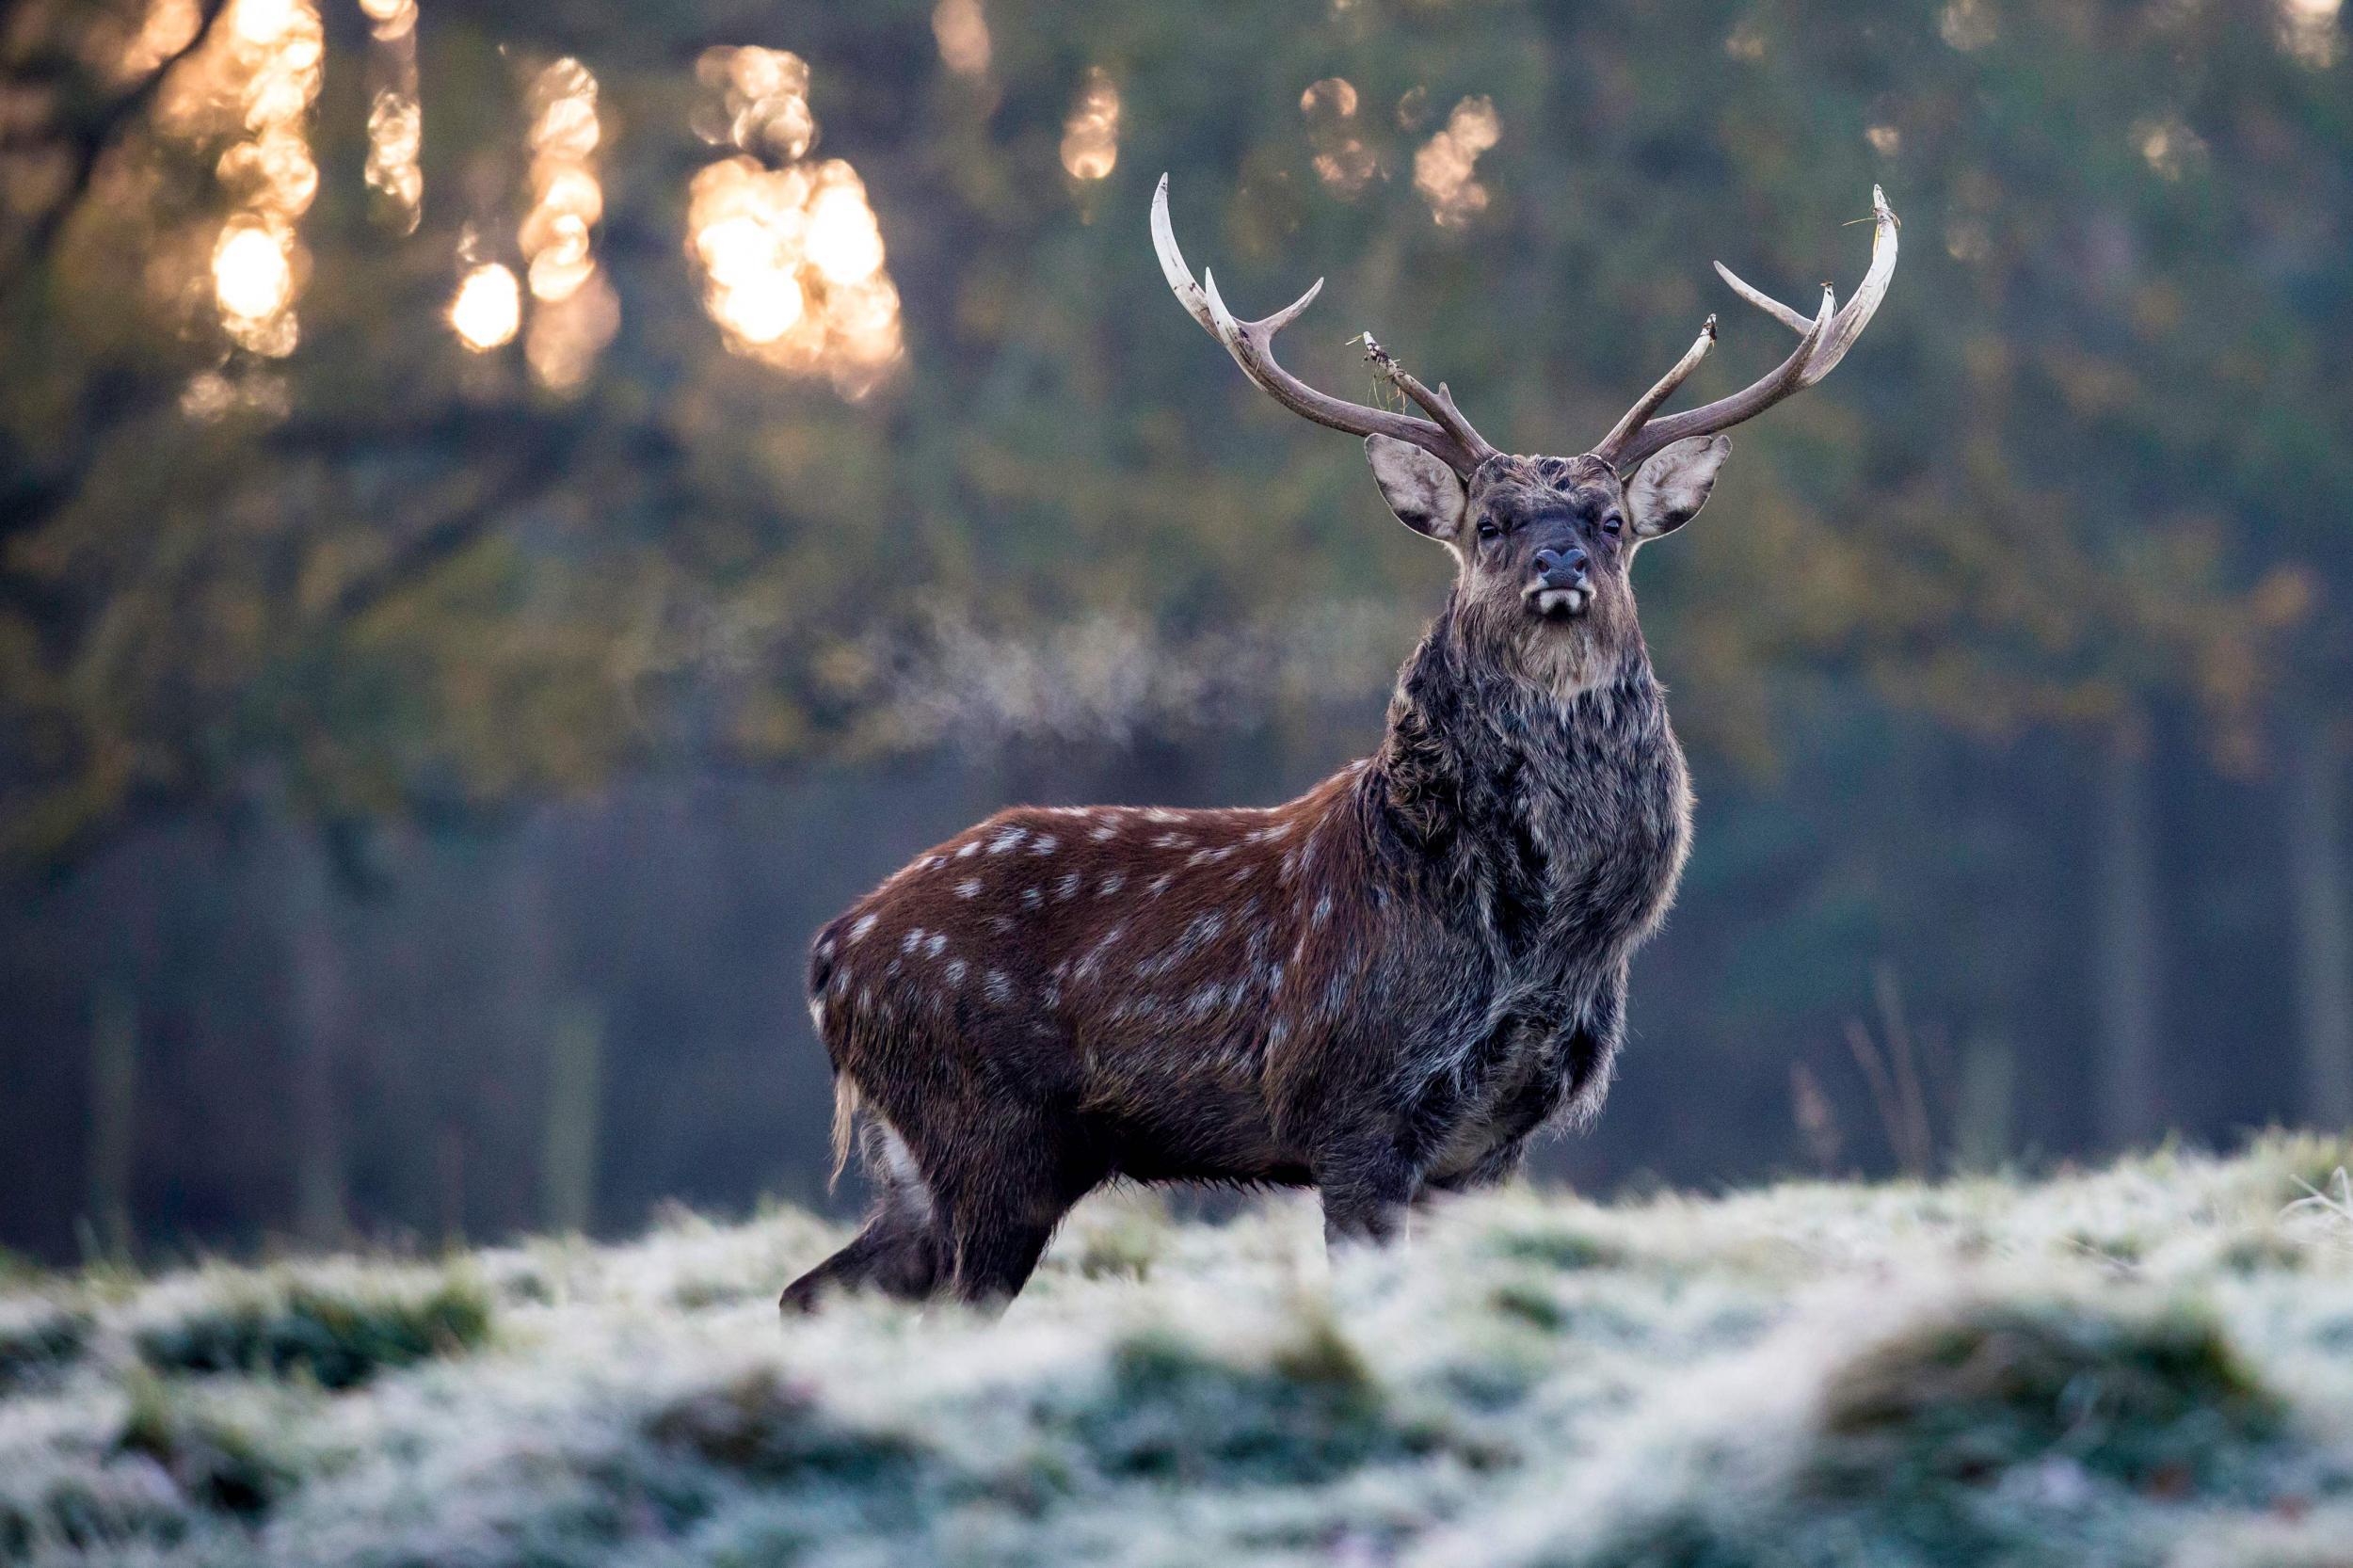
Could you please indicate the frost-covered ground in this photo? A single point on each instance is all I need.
(2148, 1365)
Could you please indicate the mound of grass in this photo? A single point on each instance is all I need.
(2154, 1400)
(764, 1425)
(215, 1462)
(38, 1338)
(1312, 1410)
(338, 1338)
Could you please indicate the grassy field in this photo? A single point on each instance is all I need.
(2150, 1364)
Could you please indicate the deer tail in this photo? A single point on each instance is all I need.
(846, 1104)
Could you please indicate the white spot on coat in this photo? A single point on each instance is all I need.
(999, 984)
(969, 850)
(1068, 887)
(1006, 839)
(956, 969)
(913, 939)
(1110, 884)
(937, 945)
(968, 887)
(863, 924)
(1045, 845)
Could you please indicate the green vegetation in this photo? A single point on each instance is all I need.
(339, 1338)
(1821, 1375)
(38, 1337)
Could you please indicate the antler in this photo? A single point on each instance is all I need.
(1445, 434)
(1823, 340)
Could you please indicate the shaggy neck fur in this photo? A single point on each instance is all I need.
(1560, 802)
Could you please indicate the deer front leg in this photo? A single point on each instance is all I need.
(1367, 1184)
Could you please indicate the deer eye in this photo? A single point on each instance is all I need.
(1489, 531)
(1612, 524)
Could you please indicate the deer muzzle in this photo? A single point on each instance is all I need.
(1562, 585)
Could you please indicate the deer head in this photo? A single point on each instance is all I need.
(1541, 543)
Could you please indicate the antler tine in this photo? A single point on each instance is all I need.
(1725, 412)
(1857, 311)
(1440, 404)
(1449, 437)
(1823, 341)
(1623, 430)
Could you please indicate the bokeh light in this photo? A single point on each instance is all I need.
(574, 310)
(1342, 161)
(1090, 137)
(2309, 31)
(394, 170)
(488, 306)
(962, 32)
(1444, 165)
(167, 27)
(760, 102)
(253, 274)
(247, 90)
(791, 259)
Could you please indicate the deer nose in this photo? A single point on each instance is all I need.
(1561, 568)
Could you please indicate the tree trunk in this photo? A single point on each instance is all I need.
(2324, 929)
(2125, 960)
(315, 1001)
(113, 1080)
(575, 1101)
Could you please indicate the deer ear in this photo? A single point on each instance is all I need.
(1669, 491)
(1420, 490)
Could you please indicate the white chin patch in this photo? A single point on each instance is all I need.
(1562, 601)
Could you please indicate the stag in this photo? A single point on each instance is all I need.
(1381, 989)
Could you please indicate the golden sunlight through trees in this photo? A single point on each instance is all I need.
(253, 278)
(1442, 166)
(762, 103)
(962, 32)
(252, 85)
(1090, 137)
(575, 311)
(791, 259)
(488, 308)
(1342, 161)
(2307, 30)
(395, 115)
(170, 26)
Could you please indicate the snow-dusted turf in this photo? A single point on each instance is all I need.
(2152, 1363)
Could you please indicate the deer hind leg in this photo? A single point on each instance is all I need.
(1005, 1195)
(903, 1251)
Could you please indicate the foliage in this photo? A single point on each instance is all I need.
(38, 1337)
(2098, 459)
(338, 1337)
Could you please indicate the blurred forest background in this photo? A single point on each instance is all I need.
(511, 515)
